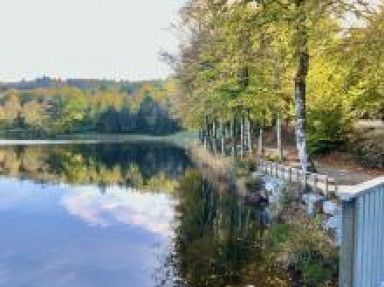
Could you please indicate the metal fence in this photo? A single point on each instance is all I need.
(362, 248)
(292, 174)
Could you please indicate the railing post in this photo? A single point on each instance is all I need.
(277, 170)
(315, 180)
(348, 244)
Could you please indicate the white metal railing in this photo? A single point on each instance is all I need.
(362, 249)
(292, 174)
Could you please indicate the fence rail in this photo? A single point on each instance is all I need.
(362, 248)
(319, 181)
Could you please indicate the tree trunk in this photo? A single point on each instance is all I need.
(214, 136)
(209, 134)
(205, 131)
(300, 84)
(222, 135)
(242, 137)
(228, 130)
(261, 139)
(214, 132)
(249, 136)
(279, 138)
(233, 123)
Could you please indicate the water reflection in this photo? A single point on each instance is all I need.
(141, 165)
(219, 240)
(153, 212)
(89, 215)
(137, 215)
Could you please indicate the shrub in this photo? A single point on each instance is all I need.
(369, 151)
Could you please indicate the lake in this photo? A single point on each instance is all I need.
(123, 214)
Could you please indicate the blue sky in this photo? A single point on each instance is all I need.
(114, 39)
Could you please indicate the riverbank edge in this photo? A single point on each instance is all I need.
(178, 139)
(216, 167)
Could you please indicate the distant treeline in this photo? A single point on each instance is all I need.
(47, 107)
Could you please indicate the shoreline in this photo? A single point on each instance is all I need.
(182, 138)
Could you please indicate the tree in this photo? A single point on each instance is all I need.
(34, 117)
(11, 109)
(241, 55)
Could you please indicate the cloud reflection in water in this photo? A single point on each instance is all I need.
(152, 212)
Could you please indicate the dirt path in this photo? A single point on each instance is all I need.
(338, 165)
(344, 169)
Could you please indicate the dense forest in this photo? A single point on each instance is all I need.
(316, 66)
(47, 107)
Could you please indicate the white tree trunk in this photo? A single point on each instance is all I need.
(233, 133)
(300, 84)
(205, 131)
(249, 136)
(261, 140)
(279, 138)
(242, 137)
(222, 135)
(301, 137)
(214, 137)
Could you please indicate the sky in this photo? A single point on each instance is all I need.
(105, 39)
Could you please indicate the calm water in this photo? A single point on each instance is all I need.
(132, 214)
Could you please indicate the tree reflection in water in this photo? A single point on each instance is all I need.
(144, 165)
(218, 240)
